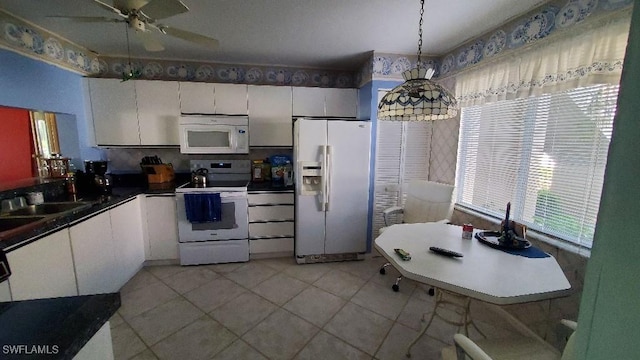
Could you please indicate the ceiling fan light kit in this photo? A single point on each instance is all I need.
(418, 98)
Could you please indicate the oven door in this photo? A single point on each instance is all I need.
(234, 224)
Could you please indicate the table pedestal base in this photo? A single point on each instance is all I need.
(461, 306)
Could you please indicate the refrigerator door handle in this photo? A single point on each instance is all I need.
(323, 185)
(328, 175)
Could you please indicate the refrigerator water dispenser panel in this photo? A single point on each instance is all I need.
(311, 178)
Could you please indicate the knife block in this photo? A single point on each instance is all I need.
(157, 174)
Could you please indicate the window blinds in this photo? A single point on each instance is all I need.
(546, 155)
(402, 155)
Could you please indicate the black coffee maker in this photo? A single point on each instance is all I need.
(95, 178)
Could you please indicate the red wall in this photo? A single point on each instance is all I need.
(15, 145)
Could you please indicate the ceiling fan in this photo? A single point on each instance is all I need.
(142, 16)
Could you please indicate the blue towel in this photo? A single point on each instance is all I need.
(206, 207)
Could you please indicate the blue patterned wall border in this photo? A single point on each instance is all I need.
(28, 39)
(552, 16)
(555, 15)
(382, 66)
(113, 67)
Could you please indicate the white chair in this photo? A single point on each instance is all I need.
(427, 201)
(528, 346)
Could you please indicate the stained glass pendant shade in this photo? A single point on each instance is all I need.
(418, 98)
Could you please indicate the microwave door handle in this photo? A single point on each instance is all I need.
(232, 140)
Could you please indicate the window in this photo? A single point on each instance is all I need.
(402, 155)
(546, 155)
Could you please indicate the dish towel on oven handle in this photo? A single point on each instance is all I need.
(205, 207)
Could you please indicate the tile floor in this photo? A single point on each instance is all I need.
(276, 309)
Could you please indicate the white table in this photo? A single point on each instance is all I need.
(483, 273)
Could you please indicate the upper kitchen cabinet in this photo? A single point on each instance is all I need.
(196, 98)
(141, 112)
(231, 99)
(308, 101)
(325, 102)
(115, 115)
(270, 116)
(341, 102)
(206, 98)
(158, 112)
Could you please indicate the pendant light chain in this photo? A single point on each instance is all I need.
(420, 33)
(128, 48)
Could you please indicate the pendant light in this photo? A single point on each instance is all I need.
(418, 98)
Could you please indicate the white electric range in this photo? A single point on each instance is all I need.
(227, 238)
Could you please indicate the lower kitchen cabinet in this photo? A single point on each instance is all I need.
(5, 292)
(43, 268)
(93, 253)
(128, 243)
(162, 227)
(271, 223)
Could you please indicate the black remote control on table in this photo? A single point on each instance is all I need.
(445, 252)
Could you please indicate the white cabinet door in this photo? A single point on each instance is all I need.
(277, 198)
(162, 227)
(128, 242)
(196, 98)
(5, 293)
(270, 122)
(230, 99)
(115, 117)
(43, 268)
(308, 101)
(271, 213)
(92, 245)
(158, 112)
(341, 102)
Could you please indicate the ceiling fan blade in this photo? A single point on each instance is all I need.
(190, 36)
(87, 19)
(109, 7)
(160, 9)
(149, 42)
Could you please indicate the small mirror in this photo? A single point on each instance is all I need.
(45, 139)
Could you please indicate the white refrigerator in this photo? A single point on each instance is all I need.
(332, 189)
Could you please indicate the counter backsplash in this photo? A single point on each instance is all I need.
(127, 160)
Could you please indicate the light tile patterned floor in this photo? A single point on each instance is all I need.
(276, 309)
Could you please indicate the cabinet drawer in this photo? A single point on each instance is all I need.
(271, 229)
(271, 213)
(270, 245)
(271, 198)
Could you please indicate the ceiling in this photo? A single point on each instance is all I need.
(332, 34)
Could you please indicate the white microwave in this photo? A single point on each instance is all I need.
(214, 134)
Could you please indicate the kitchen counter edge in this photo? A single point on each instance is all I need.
(100, 204)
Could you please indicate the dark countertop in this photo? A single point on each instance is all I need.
(14, 240)
(28, 234)
(58, 326)
(267, 186)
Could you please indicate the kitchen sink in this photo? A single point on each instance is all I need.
(13, 222)
(49, 208)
